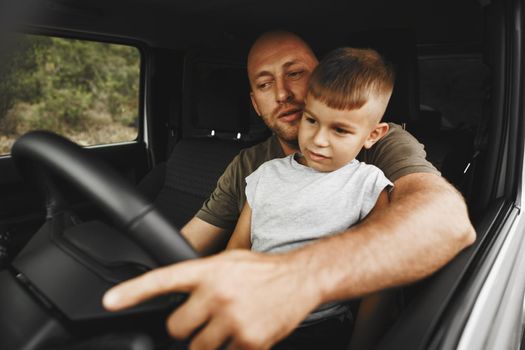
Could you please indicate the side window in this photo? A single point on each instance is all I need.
(87, 91)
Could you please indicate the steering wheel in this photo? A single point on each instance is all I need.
(49, 153)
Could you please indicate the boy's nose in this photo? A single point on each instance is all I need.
(320, 138)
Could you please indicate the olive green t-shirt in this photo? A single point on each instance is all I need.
(397, 154)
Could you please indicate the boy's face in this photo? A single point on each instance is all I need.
(330, 138)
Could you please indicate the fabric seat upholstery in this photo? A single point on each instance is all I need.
(192, 172)
(218, 122)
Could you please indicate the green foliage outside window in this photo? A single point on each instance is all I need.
(85, 90)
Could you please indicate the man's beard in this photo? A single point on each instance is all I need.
(287, 132)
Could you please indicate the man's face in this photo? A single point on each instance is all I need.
(330, 138)
(279, 73)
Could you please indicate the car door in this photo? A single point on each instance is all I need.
(87, 90)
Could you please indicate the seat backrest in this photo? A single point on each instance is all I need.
(191, 174)
(216, 99)
(218, 121)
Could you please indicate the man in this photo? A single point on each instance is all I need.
(251, 301)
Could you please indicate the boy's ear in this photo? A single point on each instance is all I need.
(254, 104)
(377, 133)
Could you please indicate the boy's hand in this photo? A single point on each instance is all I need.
(238, 298)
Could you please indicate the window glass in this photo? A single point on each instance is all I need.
(87, 91)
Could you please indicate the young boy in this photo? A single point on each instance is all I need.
(323, 190)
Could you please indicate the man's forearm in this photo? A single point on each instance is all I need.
(425, 225)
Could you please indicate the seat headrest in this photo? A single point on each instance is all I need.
(216, 99)
(216, 90)
(397, 46)
(222, 103)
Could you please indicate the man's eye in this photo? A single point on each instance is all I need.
(296, 74)
(263, 86)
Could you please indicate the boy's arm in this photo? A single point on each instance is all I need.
(205, 238)
(382, 201)
(241, 235)
(372, 318)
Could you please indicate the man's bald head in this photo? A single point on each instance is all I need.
(278, 40)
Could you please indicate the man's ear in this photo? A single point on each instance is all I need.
(376, 134)
(254, 104)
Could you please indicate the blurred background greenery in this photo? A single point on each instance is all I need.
(85, 90)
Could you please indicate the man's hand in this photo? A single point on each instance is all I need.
(239, 298)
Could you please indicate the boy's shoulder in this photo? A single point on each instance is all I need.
(365, 167)
(364, 173)
(369, 176)
(277, 164)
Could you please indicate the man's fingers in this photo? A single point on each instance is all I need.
(181, 277)
(212, 336)
(188, 317)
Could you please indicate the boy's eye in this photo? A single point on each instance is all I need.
(341, 131)
(310, 120)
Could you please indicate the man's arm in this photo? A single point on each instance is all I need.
(252, 300)
(424, 226)
(240, 238)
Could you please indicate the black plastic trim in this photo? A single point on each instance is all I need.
(104, 186)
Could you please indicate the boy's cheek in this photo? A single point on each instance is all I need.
(302, 137)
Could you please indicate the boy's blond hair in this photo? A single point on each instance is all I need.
(346, 78)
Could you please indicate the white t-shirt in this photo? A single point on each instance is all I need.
(293, 205)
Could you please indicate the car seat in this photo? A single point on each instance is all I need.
(218, 121)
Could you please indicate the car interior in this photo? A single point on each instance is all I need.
(63, 246)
